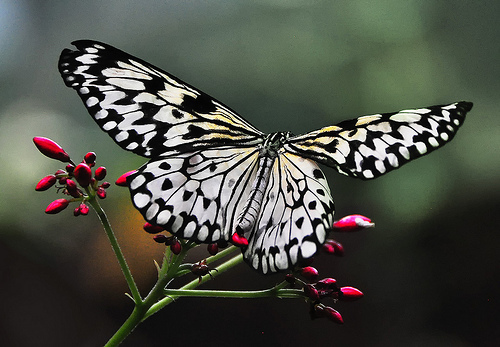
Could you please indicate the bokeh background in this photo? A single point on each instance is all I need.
(429, 270)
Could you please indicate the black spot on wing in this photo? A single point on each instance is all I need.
(318, 174)
(177, 114)
(165, 166)
(194, 132)
(299, 222)
(201, 104)
(167, 184)
(186, 195)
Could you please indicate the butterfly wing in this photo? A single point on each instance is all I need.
(197, 195)
(146, 110)
(295, 216)
(370, 146)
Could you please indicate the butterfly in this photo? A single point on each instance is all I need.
(212, 175)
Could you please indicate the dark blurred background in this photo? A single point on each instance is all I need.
(429, 270)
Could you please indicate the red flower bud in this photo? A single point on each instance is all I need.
(45, 183)
(70, 168)
(122, 180)
(76, 211)
(100, 173)
(152, 229)
(176, 247)
(160, 238)
(105, 185)
(350, 294)
(57, 206)
(51, 149)
(84, 209)
(333, 315)
(353, 222)
(101, 193)
(309, 273)
(89, 158)
(333, 247)
(290, 278)
(83, 174)
(239, 241)
(213, 248)
(72, 188)
(311, 292)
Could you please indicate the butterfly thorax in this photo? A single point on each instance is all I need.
(268, 152)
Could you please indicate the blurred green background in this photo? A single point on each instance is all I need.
(429, 270)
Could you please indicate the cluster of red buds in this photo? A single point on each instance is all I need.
(323, 289)
(74, 180)
(327, 288)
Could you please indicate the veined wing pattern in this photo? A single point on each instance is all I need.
(213, 174)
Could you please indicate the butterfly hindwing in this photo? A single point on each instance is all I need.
(146, 110)
(370, 146)
(195, 195)
(296, 215)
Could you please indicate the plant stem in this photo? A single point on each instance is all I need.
(196, 282)
(116, 248)
(271, 292)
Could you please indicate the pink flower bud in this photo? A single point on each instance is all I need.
(239, 241)
(309, 273)
(57, 206)
(83, 174)
(89, 158)
(60, 172)
(311, 292)
(213, 248)
(353, 222)
(290, 278)
(100, 173)
(101, 193)
(152, 229)
(122, 180)
(350, 294)
(51, 149)
(45, 183)
(176, 247)
(333, 247)
(333, 315)
(160, 238)
(72, 188)
(84, 209)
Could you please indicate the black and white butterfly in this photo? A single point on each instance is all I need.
(213, 174)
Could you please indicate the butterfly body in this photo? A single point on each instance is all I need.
(211, 173)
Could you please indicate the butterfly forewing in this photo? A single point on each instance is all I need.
(146, 110)
(370, 146)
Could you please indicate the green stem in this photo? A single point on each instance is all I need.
(116, 248)
(196, 282)
(272, 292)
